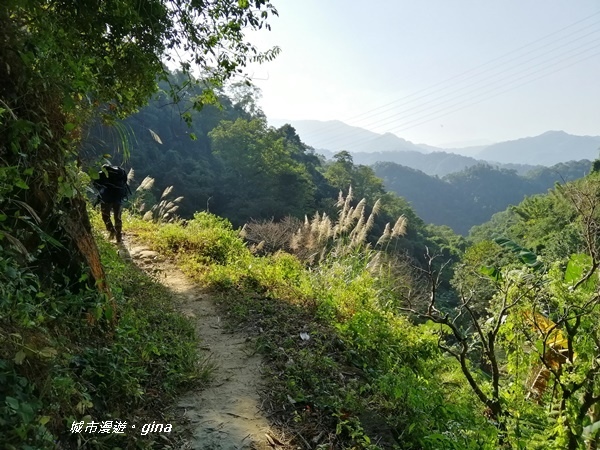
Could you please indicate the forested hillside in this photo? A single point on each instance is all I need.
(376, 329)
(434, 164)
(228, 161)
(359, 341)
(470, 197)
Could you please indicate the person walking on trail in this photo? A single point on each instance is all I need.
(112, 192)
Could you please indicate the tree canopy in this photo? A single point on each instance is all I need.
(67, 61)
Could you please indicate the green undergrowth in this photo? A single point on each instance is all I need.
(344, 370)
(69, 354)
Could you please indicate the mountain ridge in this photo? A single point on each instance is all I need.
(470, 197)
(549, 148)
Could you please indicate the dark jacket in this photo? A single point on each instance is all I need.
(112, 185)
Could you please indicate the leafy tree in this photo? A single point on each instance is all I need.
(343, 173)
(532, 328)
(259, 176)
(62, 63)
(245, 96)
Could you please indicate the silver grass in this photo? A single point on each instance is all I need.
(166, 192)
(146, 184)
(357, 231)
(386, 236)
(323, 254)
(340, 201)
(325, 229)
(314, 225)
(376, 207)
(347, 221)
(374, 265)
(348, 200)
(342, 216)
(399, 228)
(310, 239)
(295, 241)
(360, 208)
(367, 228)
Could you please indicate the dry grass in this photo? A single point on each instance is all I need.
(314, 238)
(163, 211)
(268, 236)
(318, 237)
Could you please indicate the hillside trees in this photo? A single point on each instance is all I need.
(175, 150)
(342, 172)
(62, 63)
(259, 174)
(470, 197)
(532, 327)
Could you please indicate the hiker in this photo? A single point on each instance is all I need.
(112, 191)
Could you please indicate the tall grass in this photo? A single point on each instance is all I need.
(345, 368)
(67, 354)
(143, 203)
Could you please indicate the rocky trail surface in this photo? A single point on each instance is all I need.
(227, 414)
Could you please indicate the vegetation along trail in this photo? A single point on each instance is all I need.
(227, 414)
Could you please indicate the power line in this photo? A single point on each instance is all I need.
(465, 104)
(404, 127)
(544, 63)
(470, 86)
(492, 68)
(381, 110)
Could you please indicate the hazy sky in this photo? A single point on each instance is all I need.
(436, 71)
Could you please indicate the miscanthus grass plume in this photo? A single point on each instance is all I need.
(162, 211)
(321, 236)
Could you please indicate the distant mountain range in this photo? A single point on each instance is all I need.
(550, 148)
(336, 136)
(470, 197)
(367, 147)
(440, 163)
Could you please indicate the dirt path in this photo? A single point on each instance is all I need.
(227, 414)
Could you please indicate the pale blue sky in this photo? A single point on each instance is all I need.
(355, 60)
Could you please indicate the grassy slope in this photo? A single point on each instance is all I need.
(68, 354)
(365, 378)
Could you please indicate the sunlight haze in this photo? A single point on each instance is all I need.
(436, 72)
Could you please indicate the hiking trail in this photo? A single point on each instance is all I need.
(227, 414)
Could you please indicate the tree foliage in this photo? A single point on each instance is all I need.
(525, 330)
(471, 196)
(261, 175)
(64, 61)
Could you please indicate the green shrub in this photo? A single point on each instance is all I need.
(342, 362)
(206, 238)
(69, 354)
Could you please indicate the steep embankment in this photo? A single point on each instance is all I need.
(227, 415)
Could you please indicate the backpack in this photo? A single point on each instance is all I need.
(112, 184)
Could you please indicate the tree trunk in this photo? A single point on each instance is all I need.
(34, 152)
